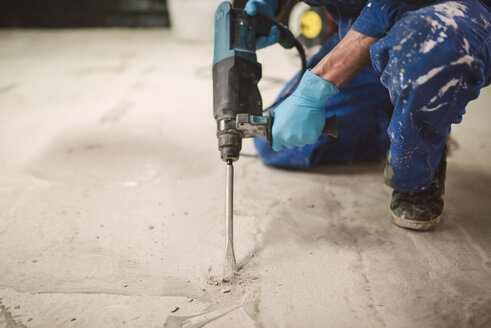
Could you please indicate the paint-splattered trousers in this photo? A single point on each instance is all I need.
(432, 61)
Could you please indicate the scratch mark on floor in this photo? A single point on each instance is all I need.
(485, 259)
(198, 320)
(8, 318)
(8, 88)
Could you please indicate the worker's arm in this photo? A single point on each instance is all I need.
(349, 57)
(300, 118)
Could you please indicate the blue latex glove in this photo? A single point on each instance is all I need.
(300, 118)
(266, 8)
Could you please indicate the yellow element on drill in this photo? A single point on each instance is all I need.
(310, 24)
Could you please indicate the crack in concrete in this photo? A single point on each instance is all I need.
(372, 304)
(198, 320)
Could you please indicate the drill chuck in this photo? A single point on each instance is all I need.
(229, 144)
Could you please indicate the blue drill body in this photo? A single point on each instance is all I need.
(234, 34)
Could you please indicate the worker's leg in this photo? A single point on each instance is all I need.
(361, 106)
(433, 62)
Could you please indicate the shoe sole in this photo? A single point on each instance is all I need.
(413, 224)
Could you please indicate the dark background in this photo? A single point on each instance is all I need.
(83, 13)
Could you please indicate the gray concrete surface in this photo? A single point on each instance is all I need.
(112, 194)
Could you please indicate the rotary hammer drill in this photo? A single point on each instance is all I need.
(237, 104)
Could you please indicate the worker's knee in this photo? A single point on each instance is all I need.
(432, 66)
(422, 44)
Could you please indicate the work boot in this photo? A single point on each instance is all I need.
(421, 210)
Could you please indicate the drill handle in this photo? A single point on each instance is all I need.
(330, 128)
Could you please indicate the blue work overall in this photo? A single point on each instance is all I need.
(432, 58)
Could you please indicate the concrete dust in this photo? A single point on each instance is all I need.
(112, 204)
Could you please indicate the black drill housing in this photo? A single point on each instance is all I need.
(235, 92)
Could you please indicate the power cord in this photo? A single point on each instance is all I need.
(301, 53)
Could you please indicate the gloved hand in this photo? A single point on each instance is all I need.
(266, 8)
(300, 118)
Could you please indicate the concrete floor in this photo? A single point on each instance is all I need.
(112, 204)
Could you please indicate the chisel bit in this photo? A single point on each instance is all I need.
(230, 266)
